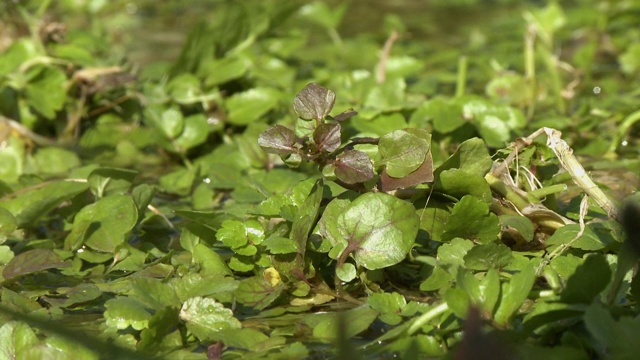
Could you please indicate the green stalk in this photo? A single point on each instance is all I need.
(461, 81)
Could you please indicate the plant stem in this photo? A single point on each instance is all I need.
(461, 81)
(426, 317)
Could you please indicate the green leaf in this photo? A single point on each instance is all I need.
(617, 339)
(346, 272)
(257, 292)
(453, 253)
(106, 181)
(306, 218)
(29, 206)
(185, 89)
(470, 219)
(55, 161)
(194, 133)
(16, 340)
(388, 96)
(236, 234)
(279, 245)
(378, 229)
(123, 312)
(12, 156)
(249, 106)
(46, 89)
(8, 224)
(488, 256)
(278, 140)
(32, 261)
(154, 293)
(209, 261)
(355, 321)
(353, 166)
(522, 225)
(471, 156)
(389, 305)
(458, 183)
(588, 280)
(594, 237)
(205, 317)
(446, 115)
(220, 71)
(314, 102)
(515, 292)
(402, 153)
(168, 121)
(323, 15)
(82, 293)
(104, 224)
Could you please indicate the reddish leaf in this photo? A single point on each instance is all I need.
(353, 166)
(314, 102)
(327, 137)
(278, 140)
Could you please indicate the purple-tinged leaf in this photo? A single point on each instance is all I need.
(423, 174)
(32, 261)
(314, 102)
(278, 140)
(353, 166)
(327, 137)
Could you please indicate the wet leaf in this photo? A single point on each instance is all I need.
(314, 102)
(123, 312)
(205, 317)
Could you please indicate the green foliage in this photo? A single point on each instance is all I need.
(218, 206)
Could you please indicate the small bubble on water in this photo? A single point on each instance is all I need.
(624, 143)
(206, 180)
(596, 90)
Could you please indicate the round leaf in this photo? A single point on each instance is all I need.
(402, 152)
(314, 102)
(278, 140)
(353, 166)
(327, 137)
(104, 224)
(380, 229)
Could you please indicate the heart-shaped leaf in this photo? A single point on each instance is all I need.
(314, 102)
